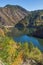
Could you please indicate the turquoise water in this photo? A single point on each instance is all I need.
(28, 39)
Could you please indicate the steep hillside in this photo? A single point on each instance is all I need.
(13, 53)
(32, 24)
(15, 18)
(34, 18)
(11, 14)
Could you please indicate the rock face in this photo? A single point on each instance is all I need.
(29, 62)
(1, 63)
(24, 21)
(11, 14)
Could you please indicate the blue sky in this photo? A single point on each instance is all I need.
(27, 4)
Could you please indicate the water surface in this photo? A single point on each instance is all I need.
(28, 39)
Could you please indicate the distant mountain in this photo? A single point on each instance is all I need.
(11, 14)
(16, 18)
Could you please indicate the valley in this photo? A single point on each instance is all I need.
(21, 36)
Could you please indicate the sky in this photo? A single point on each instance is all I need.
(27, 4)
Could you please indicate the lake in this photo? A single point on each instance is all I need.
(28, 39)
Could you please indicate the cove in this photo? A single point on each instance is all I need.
(28, 39)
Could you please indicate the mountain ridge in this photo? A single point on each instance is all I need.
(26, 22)
(11, 13)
